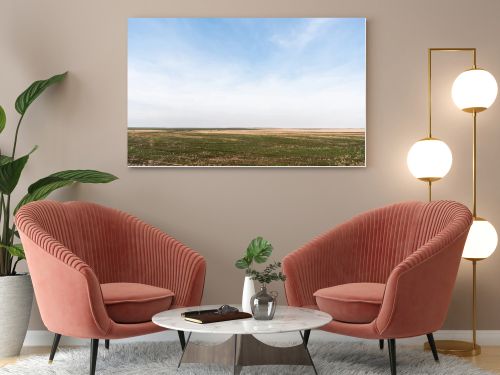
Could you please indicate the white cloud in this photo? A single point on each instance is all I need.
(331, 99)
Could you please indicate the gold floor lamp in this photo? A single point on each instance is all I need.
(430, 159)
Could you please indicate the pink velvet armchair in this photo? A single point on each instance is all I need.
(99, 273)
(385, 274)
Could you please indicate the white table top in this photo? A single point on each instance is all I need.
(286, 319)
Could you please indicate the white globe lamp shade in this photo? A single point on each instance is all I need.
(474, 90)
(481, 241)
(429, 159)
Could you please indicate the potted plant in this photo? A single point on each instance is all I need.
(16, 291)
(258, 250)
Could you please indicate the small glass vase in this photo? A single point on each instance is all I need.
(263, 304)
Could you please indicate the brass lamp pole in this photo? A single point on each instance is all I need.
(476, 349)
(482, 238)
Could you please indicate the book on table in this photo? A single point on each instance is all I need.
(213, 316)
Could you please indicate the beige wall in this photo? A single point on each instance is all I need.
(82, 124)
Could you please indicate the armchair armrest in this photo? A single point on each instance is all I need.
(419, 289)
(68, 292)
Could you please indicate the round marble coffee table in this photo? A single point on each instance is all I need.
(242, 348)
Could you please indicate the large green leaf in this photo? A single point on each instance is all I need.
(86, 176)
(10, 172)
(42, 193)
(43, 187)
(31, 93)
(3, 119)
(259, 250)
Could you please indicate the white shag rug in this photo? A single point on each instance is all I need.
(162, 357)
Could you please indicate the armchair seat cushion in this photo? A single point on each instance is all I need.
(351, 303)
(135, 303)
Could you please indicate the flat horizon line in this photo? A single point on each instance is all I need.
(239, 128)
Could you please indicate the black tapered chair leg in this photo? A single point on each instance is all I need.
(381, 344)
(432, 344)
(55, 344)
(182, 339)
(106, 344)
(392, 355)
(307, 333)
(94, 346)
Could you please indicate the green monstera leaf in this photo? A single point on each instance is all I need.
(29, 95)
(242, 263)
(259, 250)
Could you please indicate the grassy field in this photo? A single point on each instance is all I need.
(246, 147)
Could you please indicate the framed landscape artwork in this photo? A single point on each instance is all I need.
(247, 92)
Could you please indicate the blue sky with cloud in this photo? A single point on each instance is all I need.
(244, 72)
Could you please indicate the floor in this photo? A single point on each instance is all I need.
(27, 351)
(488, 360)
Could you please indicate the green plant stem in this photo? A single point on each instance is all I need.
(5, 234)
(11, 239)
(13, 271)
(15, 137)
(4, 253)
(6, 238)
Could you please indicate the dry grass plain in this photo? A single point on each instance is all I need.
(246, 147)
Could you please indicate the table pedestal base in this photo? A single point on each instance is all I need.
(246, 350)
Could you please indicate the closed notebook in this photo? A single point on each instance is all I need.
(212, 317)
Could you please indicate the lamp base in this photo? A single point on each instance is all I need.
(456, 348)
